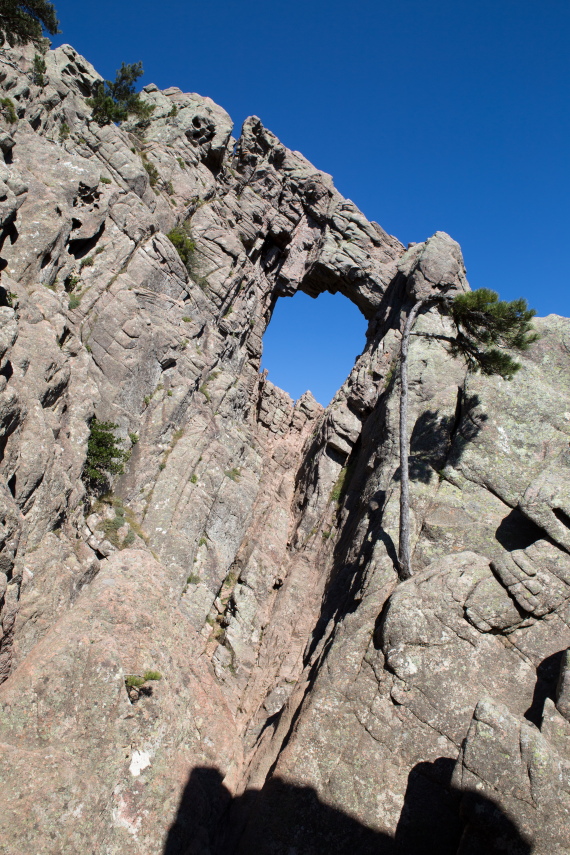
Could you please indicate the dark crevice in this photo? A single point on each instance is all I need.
(86, 195)
(517, 531)
(9, 427)
(11, 484)
(79, 247)
(7, 370)
(9, 230)
(457, 416)
(66, 334)
(562, 516)
(335, 454)
(378, 633)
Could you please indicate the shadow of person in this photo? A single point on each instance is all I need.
(438, 819)
(282, 819)
(203, 802)
(429, 821)
(488, 829)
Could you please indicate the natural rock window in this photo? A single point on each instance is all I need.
(313, 344)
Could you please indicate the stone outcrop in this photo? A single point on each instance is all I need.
(303, 699)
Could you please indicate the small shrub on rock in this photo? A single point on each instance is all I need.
(8, 111)
(130, 538)
(183, 243)
(38, 70)
(152, 171)
(152, 675)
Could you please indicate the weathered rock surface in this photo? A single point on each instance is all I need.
(308, 701)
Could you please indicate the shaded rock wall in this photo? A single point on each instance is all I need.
(308, 701)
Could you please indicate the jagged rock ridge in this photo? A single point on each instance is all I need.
(309, 701)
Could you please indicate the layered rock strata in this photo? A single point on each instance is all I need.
(308, 700)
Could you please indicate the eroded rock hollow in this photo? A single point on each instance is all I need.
(308, 701)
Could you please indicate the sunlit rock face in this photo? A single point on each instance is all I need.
(303, 699)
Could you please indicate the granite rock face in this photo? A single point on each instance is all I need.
(304, 699)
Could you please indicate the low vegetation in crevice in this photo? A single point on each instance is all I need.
(339, 486)
(124, 517)
(177, 435)
(204, 387)
(233, 474)
(192, 579)
(151, 170)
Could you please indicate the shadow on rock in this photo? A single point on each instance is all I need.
(437, 440)
(439, 819)
(283, 819)
(547, 674)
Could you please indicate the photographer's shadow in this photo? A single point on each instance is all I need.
(284, 819)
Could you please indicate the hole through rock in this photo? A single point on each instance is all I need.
(312, 344)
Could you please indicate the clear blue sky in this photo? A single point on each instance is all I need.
(429, 114)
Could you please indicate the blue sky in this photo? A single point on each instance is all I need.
(429, 114)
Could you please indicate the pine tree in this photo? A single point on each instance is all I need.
(23, 22)
(114, 101)
(484, 328)
(104, 457)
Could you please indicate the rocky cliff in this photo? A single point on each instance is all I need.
(309, 701)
